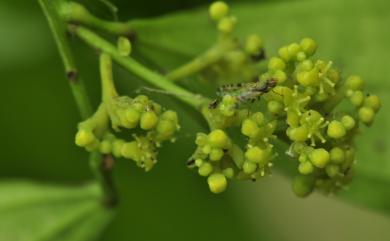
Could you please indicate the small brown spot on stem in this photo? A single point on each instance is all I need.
(72, 75)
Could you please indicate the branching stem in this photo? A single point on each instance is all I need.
(135, 67)
(98, 164)
(211, 56)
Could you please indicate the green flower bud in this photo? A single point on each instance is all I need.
(306, 65)
(249, 167)
(218, 138)
(130, 150)
(201, 139)
(124, 46)
(105, 147)
(308, 78)
(217, 182)
(226, 25)
(218, 10)
(249, 128)
(206, 149)
(132, 117)
(275, 107)
(373, 102)
(284, 54)
(301, 56)
(357, 98)
(348, 122)
(300, 133)
(336, 129)
(280, 76)
(170, 115)
(253, 44)
(258, 117)
(294, 49)
(332, 170)
(228, 172)
(257, 155)
(216, 154)
(148, 120)
(303, 185)
(366, 115)
(337, 155)
(276, 64)
(72, 11)
(303, 158)
(309, 46)
(94, 146)
(319, 157)
(143, 99)
(305, 168)
(117, 147)
(199, 162)
(84, 138)
(165, 129)
(354, 82)
(205, 169)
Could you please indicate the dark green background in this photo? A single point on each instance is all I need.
(38, 122)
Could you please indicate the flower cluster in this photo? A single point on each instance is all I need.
(301, 105)
(238, 59)
(149, 123)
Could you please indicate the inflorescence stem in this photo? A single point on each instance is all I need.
(211, 56)
(59, 34)
(99, 167)
(132, 65)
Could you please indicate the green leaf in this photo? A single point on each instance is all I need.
(353, 33)
(38, 212)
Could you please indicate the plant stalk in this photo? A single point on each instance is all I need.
(98, 164)
(92, 39)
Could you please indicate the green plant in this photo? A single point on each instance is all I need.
(300, 99)
(302, 114)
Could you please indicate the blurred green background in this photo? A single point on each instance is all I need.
(39, 119)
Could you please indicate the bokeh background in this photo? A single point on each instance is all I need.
(38, 122)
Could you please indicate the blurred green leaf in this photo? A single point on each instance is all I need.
(352, 33)
(37, 212)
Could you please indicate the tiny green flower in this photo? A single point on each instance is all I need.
(217, 182)
(205, 169)
(308, 45)
(366, 115)
(337, 155)
(336, 129)
(218, 10)
(148, 120)
(303, 185)
(354, 82)
(319, 157)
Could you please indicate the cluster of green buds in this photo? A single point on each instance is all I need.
(301, 105)
(320, 129)
(229, 59)
(148, 123)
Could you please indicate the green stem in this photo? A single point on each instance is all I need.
(103, 175)
(59, 34)
(108, 87)
(76, 13)
(101, 166)
(194, 100)
(211, 56)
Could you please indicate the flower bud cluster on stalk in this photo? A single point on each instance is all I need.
(296, 98)
(301, 99)
(144, 121)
